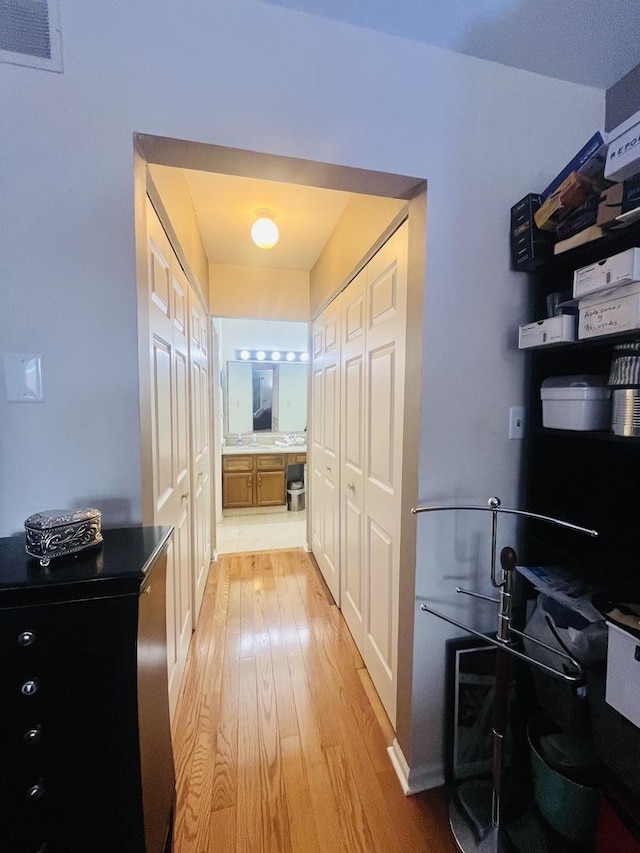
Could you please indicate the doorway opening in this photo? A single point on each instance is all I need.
(372, 203)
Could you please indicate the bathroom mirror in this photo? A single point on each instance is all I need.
(266, 397)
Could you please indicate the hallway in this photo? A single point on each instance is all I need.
(279, 739)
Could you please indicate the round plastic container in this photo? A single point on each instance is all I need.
(570, 808)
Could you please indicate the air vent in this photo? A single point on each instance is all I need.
(30, 33)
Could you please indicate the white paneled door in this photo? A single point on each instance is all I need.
(201, 449)
(358, 367)
(168, 312)
(325, 445)
(352, 450)
(385, 340)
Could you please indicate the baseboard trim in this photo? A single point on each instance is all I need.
(414, 780)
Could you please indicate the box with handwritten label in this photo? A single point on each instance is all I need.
(617, 311)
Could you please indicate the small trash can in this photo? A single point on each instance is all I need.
(295, 496)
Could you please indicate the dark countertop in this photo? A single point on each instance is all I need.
(117, 567)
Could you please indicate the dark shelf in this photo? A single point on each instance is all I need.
(621, 239)
(585, 434)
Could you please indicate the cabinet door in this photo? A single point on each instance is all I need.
(237, 490)
(270, 488)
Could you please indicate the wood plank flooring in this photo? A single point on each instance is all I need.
(279, 736)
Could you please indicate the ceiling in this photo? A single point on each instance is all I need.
(226, 208)
(594, 42)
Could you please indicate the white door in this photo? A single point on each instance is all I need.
(201, 448)
(325, 461)
(170, 436)
(386, 298)
(352, 453)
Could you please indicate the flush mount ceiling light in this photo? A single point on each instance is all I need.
(264, 231)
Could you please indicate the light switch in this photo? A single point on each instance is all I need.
(23, 377)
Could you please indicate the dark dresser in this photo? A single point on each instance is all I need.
(86, 762)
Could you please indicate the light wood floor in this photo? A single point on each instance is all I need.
(280, 740)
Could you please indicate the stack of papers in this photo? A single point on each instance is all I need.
(563, 587)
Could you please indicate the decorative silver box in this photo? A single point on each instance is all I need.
(58, 532)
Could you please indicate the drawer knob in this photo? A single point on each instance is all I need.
(29, 688)
(35, 792)
(33, 736)
(26, 638)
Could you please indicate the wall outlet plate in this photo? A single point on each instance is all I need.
(517, 421)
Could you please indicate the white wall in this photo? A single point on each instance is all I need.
(249, 74)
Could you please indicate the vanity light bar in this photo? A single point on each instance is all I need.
(271, 355)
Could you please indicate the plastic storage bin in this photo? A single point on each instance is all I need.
(579, 402)
(568, 806)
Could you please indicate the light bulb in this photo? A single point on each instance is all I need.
(245, 354)
(275, 356)
(291, 356)
(264, 231)
(304, 356)
(260, 356)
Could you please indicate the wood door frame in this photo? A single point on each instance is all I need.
(205, 156)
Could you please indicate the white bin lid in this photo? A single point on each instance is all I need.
(581, 386)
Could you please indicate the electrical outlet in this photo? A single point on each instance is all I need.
(517, 421)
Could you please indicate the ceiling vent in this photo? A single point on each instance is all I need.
(30, 33)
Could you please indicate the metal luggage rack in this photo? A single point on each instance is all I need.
(481, 831)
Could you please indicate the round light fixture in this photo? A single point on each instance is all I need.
(264, 231)
(304, 356)
(245, 354)
(291, 356)
(260, 356)
(275, 356)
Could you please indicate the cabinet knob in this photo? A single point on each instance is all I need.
(29, 688)
(35, 792)
(33, 736)
(26, 638)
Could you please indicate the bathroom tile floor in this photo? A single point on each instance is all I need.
(242, 531)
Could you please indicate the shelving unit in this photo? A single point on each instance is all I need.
(589, 477)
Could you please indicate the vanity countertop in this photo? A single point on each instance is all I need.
(249, 449)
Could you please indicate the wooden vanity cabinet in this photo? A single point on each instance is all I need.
(254, 480)
(87, 762)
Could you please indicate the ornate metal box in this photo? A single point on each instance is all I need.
(58, 532)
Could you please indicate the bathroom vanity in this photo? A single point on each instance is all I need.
(87, 762)
(257, 476)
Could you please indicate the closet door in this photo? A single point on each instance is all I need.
(200, 448)
(352, 451)
(386, 295)
(167, 294)
(325, 512)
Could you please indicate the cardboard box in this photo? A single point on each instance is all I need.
(553, 330)
(630, 194)
(608, 273)
(589, 161)
(530, 247)
(611, 293)
(610, 206)
(571, 193)
(614, 314)
(623, 156)
(623, 673)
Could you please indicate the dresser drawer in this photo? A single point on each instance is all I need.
(28, 634)
(241, 464)
(297, 459)
(270, 462)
